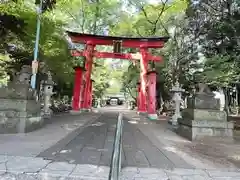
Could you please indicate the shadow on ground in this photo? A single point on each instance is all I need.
(94, 145)
(217, 150)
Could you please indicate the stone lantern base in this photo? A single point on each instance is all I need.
(74, 112)
(203, 119)
(153, 117)
(205, 126)
(19, 111)
(86, 110)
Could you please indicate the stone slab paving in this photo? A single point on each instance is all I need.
(177, 150)
(24, 168)
(91, 145)
(149, 153)
(94, 145)
(139, 151)
(178, 174)
(29, 168)
(32, 143)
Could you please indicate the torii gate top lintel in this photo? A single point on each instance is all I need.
(143, 44)
(152, 42)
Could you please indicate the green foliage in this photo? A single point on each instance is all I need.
(153, 20)
(219, 70)
(203, 46)
(100, 76)
(130, 80)
(216, 27)
(53, 46)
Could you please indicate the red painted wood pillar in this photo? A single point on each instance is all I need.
(152, 95)
(82, 91)
(91, 91)
(88, 67)
(77, 88)
(138, 96)
(143, 80)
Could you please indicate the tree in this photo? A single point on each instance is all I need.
(52, 42)
(153, 20)
(216, 27)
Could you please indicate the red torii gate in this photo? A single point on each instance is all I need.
(83, 91)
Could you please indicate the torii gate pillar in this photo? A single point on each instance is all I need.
(138, 95)
(90, 94)
(88, 67)
(82, 90)
(143, 81)
(152, 115)
(77, 88)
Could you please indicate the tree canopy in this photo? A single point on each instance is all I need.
(203, 45)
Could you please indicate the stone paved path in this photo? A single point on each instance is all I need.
(32, 143)
(139, 151)
(85, 153)
(29, 168)
(94, 146)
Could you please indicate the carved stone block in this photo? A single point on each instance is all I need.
(204, 114)
(197, 124)
(19, 112)
(203, 118)
(19, 116)
(200, 129)
(203, 101)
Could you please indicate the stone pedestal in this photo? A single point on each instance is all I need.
(48, 92)
(203, 119)
(99, 103)
(19, 116)
(19, 111)
(73, 112)
(177, 98)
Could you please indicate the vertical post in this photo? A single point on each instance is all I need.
(88, 67)
(77, 88)
(143, 80)
(177, 99)
(152, 115)
(90, 94)
(82, 91)
(138, 96)
(35, 58)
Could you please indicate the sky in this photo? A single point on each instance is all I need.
(154, 1)
(133, 9)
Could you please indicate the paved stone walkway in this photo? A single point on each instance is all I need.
(150, 152)
(139, 151)
(29, 168)
(179, 174)
(32, 143)
(94, 145)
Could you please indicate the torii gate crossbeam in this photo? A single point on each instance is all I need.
(125, 56)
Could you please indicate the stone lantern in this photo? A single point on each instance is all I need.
(48, 92)
(177, 98)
